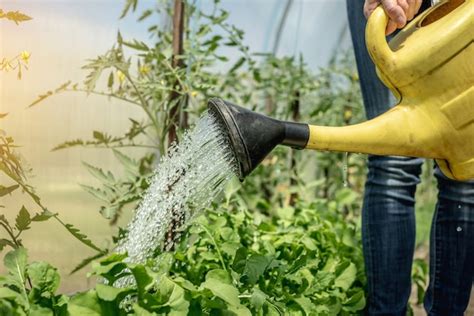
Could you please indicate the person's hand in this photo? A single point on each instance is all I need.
(398, 11)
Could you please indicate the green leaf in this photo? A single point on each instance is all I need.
(258, 298)
(5, 292)
(219, 274)
(323, 278)
(140, 311)
(81, 237)
(5, 242)
(110, 211)
(142, 278)
(7, 190)
(60, 304)
(23, 219)
(239, 310)
(230, 248)
(137, 45)
(41, 98)
(85, 304)
(145, 14)
(37, 310)
(227, 292)
(176, 301)
(86, 261)
(185, 284)
(346, 275)
(3, 219)
(126, 161)
(119, 37)
(130, 4)
(305, 303)
(43, 216)
(101, 195)
(346, 197)
(110, 267)
(237, 65)
(98, 173)
(15, 262)
(110, 293)
(355, 303)
(62, 87)
(44, 278)
(240, 260)
(101, 137)
(255, 267)
(113, 258)
(69, 144)
(219, 286)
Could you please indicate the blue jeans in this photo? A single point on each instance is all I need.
(388, 219)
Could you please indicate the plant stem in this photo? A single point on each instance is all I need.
(143, 102)
(119, 146)
(8, 229)
(215, 245)
(110, 95)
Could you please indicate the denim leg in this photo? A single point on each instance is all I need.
(377, 98)
(451, 249)
(388, 220)
(388, 232)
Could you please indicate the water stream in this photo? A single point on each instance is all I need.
(185, 182)
(345, 164)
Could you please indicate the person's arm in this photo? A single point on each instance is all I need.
(399, 11)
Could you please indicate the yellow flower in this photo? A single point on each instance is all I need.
(25, 56)
(120, 76)
(194, 94)
(347, 114)
(144, 69)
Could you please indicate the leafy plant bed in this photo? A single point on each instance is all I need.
(265, 249)
(302, 260)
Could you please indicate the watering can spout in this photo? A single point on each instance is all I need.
(253, 136)
(400, 132)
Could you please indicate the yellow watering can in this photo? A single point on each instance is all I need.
(429, 66)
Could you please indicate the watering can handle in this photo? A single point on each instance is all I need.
(376, 41)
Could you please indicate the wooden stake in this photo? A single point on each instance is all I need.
(178, 31)
(174, 114)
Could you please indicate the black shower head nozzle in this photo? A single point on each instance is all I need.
(253, 136)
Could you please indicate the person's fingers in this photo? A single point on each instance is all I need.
(418, 5)
(391, 27)
(411, 9)
(404, 5)
(369, 7)
(395, 12)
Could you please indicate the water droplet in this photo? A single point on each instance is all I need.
(186, 181)
(459, 229)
